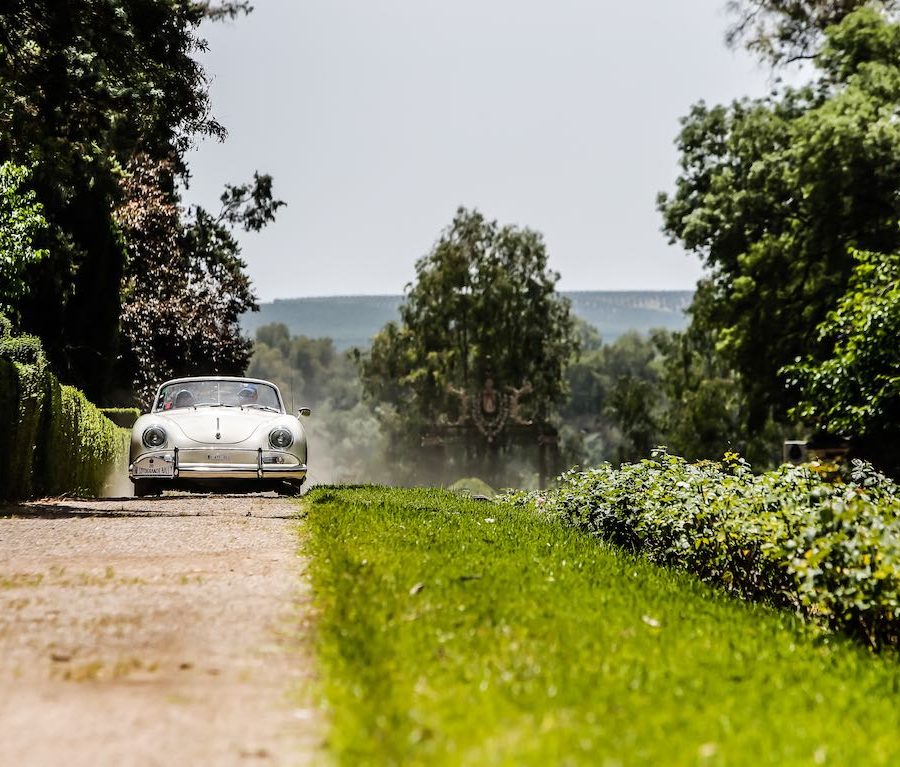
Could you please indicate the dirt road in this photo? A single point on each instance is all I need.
(165, 631)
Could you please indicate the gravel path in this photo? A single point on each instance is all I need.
(168, 631)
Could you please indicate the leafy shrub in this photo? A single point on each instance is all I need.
(28, 383)
(473, 486)
(802, 537)
(9, 417)
(81, 446)
(25, 380)
(54, 441)
(26, 350)
(21, 220)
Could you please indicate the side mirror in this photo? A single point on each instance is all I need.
(304, 411)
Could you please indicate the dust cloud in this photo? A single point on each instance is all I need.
(117, 484)
(348, 448)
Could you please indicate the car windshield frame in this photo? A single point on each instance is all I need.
(215, 393)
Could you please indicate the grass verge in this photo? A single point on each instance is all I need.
(457, 632)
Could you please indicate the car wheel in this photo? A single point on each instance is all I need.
(290, 488)
(145, 487)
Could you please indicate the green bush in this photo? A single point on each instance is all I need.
(473, 486)
(25, 418)
(9, 417)
(55, 441)
(81, 447)
(122, 416)
(24, 384)
(800, 537)
(26, 350)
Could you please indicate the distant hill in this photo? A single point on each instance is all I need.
(349, 320)
(353, 320)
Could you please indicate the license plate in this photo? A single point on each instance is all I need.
(153, 467)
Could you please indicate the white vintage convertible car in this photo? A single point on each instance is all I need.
(218, 432)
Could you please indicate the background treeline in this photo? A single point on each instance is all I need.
(344, 431)
(616, 409)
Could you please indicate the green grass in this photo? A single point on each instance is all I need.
(463, 633)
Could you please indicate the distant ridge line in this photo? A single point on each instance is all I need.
(337, 298)
(352, 320)
(401, 296)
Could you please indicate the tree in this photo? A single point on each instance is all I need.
(784, 31)
(21, 220)
(310, 371)
(616, 405)
(772, 195)
(706, 411)
(855, 390)
(483, 305)
(311, 368)
(185, 287)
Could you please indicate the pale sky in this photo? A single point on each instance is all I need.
(378, 118)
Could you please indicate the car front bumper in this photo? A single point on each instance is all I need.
(216, 463)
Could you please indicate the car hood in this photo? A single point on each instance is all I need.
(231, 425)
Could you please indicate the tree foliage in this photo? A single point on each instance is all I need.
(616, 406)
(483, 305)
(706, 411)
(21, 220)
(784, 31)
(83, 86)
(348, 443)
(311, 369)
(185, 287)
(229, 9)
(249, 206)
(855, 390)
(90, 92)
(774, 192)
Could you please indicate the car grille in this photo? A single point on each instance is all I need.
(213, 456)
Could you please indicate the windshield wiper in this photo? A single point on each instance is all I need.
(261, 407)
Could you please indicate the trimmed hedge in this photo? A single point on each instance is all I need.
(808, 538)
(55, 441)
(22, 423)
(9, 424)
(81, 447)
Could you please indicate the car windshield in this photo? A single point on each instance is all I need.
(210, 393)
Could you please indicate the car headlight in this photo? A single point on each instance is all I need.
(281, 438)
(154, 436)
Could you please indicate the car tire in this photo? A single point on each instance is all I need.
(290, 488)
(146, 487)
